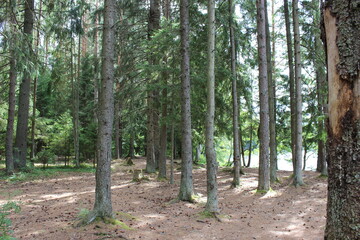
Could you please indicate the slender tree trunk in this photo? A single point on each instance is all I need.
(96, 74)
(76, 99)
(20, 147)
(131, 147)
(211, 163)
(242, 145)
(291, 78)
(163, 134)
(186, 184)
(264, 174)
(12, 98)
(271, 86)
(172, 155)
(33, 117)
(117, 128)
(152, 121)
(250, 144)
(320, 89)
(236, 178)
(103, 205)
(163, 126)
(342, 41)
(298, 179)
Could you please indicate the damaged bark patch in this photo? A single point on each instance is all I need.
(348, 23)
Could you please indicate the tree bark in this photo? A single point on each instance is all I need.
(271, 90)
(291, 78)
(103, 205)
(298, 179)
(342, 40)
(172, 154)
(264, 174)
(33, 117)
(152, 148)
(117, 128)
(12, 98)
(236, 145)
(186, 184)
(20, 147)
(163, 126)
(132, 147)
(320, 89)
(211, 163)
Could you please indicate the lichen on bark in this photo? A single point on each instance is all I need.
(348, 22)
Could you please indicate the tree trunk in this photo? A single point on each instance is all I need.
(172, 155)
(163, 127)
(291, 78)
(236, 178)
(76, 102)
(20, 147)
(298, 179)
(163, 133)
(103, 205)
(321, 91)
(33, 117)
(250, 144)
(12, 98)
(186, 185)
(264, 174)
(271, 86)
(117, 128)
(96, 74)
(152, 121)
(342, 41)
(131, 147)
(211, 163)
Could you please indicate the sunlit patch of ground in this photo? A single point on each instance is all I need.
(50, 207)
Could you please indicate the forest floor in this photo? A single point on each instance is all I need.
(51, 206)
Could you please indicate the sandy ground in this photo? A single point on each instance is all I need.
(49, 208)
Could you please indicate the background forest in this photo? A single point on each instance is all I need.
(63, 60)
(131, 87)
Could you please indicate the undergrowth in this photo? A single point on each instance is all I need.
(39, 173)
(5, 222)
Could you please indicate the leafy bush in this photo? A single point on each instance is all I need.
(45, 157)
(5, 222)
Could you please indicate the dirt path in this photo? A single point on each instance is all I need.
(51, 206)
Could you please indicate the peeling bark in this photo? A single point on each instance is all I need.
(342, 40)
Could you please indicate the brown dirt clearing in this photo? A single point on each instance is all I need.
(50, 206)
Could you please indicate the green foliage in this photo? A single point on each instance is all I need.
(45, 157)
(5, 222)
(40, 173)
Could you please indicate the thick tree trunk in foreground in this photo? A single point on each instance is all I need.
(186, 185)
(291, 78)
(20, 147)
(298, 179)
(103, 205)
(236, 144)
(342, 41)
(211, 163)
(264, 171)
